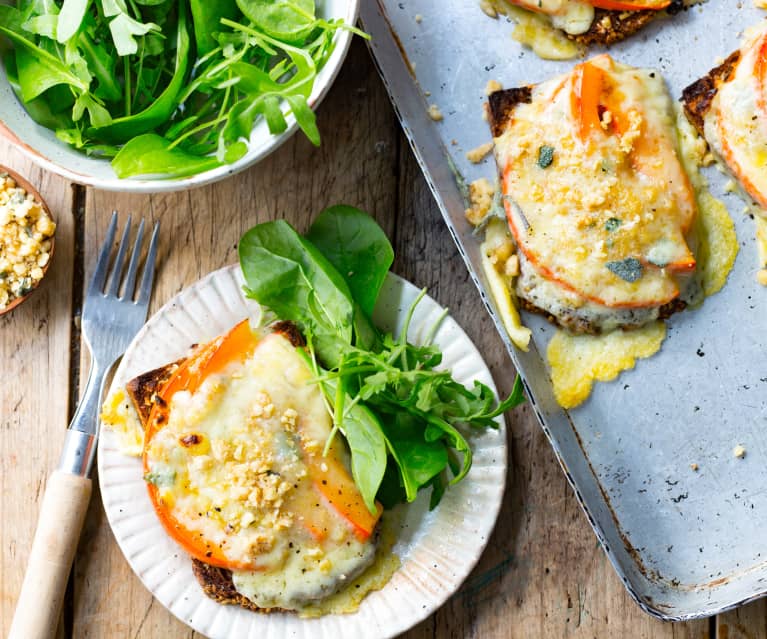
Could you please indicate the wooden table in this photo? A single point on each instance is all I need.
(543, 573)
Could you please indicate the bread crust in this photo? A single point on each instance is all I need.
(610, 26)
(697, 97)
(142, 389)
(501, 105)
(217, 584)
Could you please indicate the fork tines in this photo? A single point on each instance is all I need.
(116, 276)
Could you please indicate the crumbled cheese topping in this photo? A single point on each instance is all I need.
(435, 114)
(481, 194)
(26, 230)
(475, 156)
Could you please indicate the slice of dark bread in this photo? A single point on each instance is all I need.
(216, 582)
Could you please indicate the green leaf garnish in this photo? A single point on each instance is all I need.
(545, 156)
(404, 419)
(612, 224)
(630, 269)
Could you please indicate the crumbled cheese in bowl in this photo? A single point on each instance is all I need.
(26, 240)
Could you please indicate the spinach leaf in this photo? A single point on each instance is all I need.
(51, 63)
(367, 445)
(417, 460)
(287, 274)
(288, 20)
(357, 247)
(151, 154)
(41, 109)
(12, 19)
(206, 17)
(36, 76)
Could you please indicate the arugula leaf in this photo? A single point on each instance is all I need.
(70, 18)
(98, 114)
(123, 129)
(357, 247)
(124, 30)
(103, 67)
(51, 63)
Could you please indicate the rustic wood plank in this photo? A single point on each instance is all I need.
(543, 574)
(356, 164)
(34, 350)
(746, 622)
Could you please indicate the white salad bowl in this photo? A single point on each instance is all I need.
(42, 147)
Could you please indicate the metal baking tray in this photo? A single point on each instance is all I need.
(686, 544)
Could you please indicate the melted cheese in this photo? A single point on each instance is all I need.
(577, 361)
(119, 416)
(497, 253)
(375, 577)
(571, 16)
(537, 32)
(736, 123)
(230, 466)
(621, 194)
(717, 242)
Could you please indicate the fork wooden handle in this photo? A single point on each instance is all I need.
(58, 530)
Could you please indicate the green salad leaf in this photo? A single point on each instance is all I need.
(288, 20)
(200, 75)
(357, 247)
(290, 276)
(406, 421)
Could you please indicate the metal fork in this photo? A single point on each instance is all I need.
(109, 322)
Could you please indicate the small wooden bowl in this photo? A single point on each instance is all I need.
(31, 190)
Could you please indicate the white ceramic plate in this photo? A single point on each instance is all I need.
(41, 145)
(437, 549)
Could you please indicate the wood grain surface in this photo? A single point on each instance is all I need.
(543, 574)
